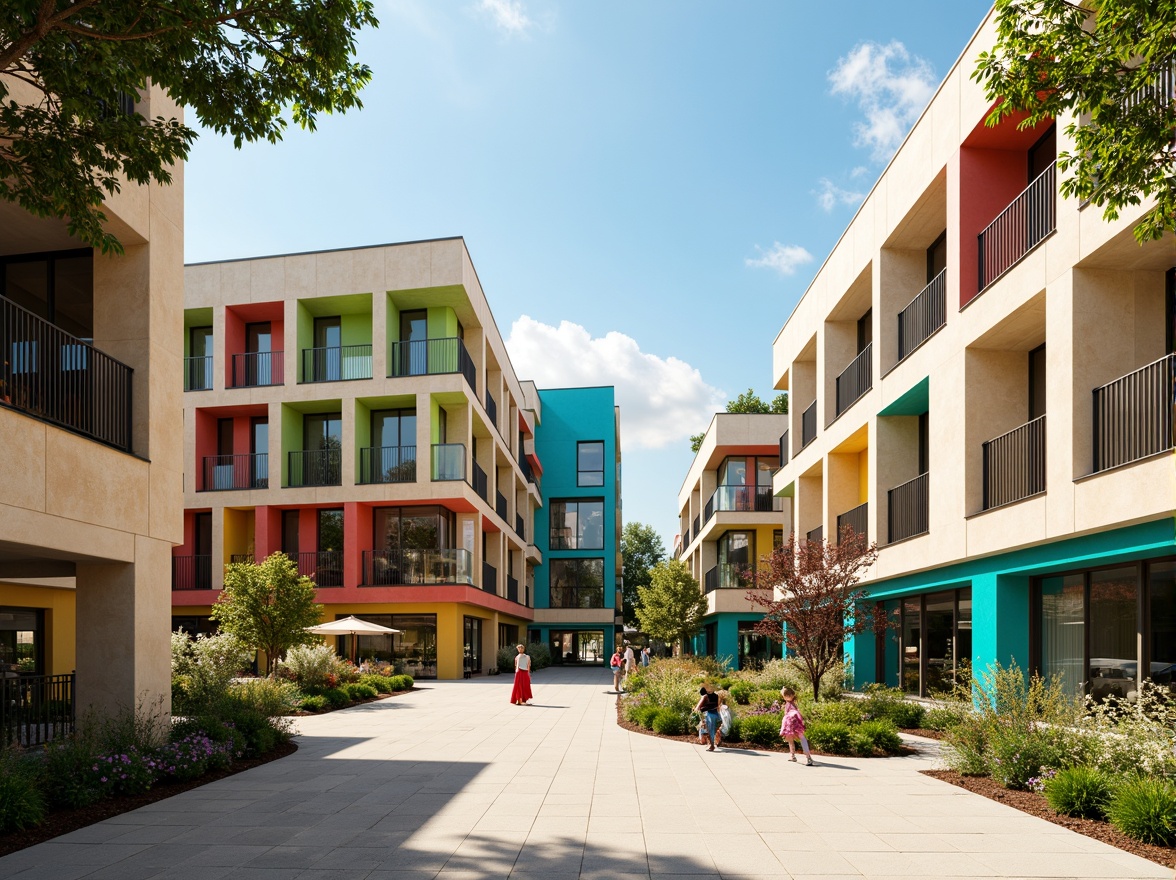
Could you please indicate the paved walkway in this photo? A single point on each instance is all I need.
(455, 783)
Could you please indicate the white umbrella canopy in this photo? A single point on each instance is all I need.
(350, 626)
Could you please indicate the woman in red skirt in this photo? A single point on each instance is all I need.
(522, 683)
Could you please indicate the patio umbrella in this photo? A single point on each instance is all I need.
(350, 626)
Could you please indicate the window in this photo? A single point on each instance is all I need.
(577, 583)
(413, 528)
(755, 649)
(290, 533)
(577, 524)
(1037, 382)
(259, 446)
(937, 257)
(415, 645)
(590, 463)
(21, 648)
(58, 287)
(736, 557)
(933, 641)
(865, 330)
(472, 649)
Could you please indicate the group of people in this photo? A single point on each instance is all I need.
(624, 661)
(713, 721)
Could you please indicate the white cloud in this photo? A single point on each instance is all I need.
(509, 16)
(830, 195)
(891, 87)
(783, 258)
(662, 401)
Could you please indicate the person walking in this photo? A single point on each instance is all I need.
(522, 680)
(792, 726)
(617, 664)
(645, 654)
(630, 661)
(708, 707)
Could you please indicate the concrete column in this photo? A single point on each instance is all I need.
(1000, 611)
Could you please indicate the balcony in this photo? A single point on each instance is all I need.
(743, 498)
(1133, 415)
(1014, 464)
(481, 484)
(242, 559)
(224, 472)
(449, 462)
(525, 467)
(857, 519)
(314, 467)
(577, 597)
(491, 410)
(390, 568)
(856, 379)
(198, 373)
(489, 578)
(808, 425)
(907, 509)
(784, 449)
(387, 464)
(726, 576)
(500, 506)
(63, 380)
(191, 572)
(816, 535)
(1021, 226)
(923, 315)
(512, 588)
(337, 364)
(256, 369)
(431, 357)
(324, 567)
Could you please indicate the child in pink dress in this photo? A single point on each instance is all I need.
(792, 726)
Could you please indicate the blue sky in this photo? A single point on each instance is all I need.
(646, 188)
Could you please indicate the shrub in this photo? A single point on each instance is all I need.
(833, 737)
(202, 668)
(22, 805)
(847, 712)
(1135, 737)
(381, 684)
(965, 747)
(310, 666)
(735, 734)
(126, 773)
(944, 717)
(1144, 808)
(891, 703)
(316, 703)
(669, 722)
(360, 691)
(646, 715)
(191, 756)
(1080, 791)
(540, 656)
(269, 696)
(880, 735)
(345, 671)
(763, 699)
(67, 784)
(741, 692)
(401, 682)
(670, 683)
(505, 658)
(337, 698)
(762, 730)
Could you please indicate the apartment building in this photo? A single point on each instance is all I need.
(730, 519)
(401, 471)
(578, 529)
(90, 362)
(981, 378)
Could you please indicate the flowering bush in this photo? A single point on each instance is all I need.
(268, 695)
(310, 666)
(202, 668)
(126, 773)
(1137, 736)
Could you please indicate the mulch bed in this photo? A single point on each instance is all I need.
(64, 821)
(1035, 804)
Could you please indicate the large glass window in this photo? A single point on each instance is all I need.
(590, 463)
(1063, 630)
(933, 645)
(58, 287)
(577, 583)
(736, 558)
(21, 650)
(414, 646)
(472, 649)
(1162, 622)
(912, 643)
(1114, 652)
(577, 646)
(577, 524)
(754, 649)
(413, 528)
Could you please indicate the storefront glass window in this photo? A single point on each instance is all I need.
(1063, 626)
(940, 643)
(20, 641)
(910, 644)
(1162, 626)
(415, 646)
(1114, 655)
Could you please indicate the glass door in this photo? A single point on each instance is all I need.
(414, 334)
(258, 354)
(472, 631)
(259, 447)
(328, 353)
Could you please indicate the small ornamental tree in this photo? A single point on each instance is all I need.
(268, 606)
(641, 549)
(821, 603)
(672, 606)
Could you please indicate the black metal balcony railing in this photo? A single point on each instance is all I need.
(387, 464)
(491, 409)
(1021, 226)
(255, 369)
(198, 373)
(337, 363)
(577, 597)
(481, 484)
(489, 578)
(428, 357)
(389, 568)
(63, 380)
(520, 526)
(685, 538)
(1014, 464)
(528, 473)
(223, 472)
(784, 449)
(923, 315)
(726, 576)
(743, 498)
(708, 509)
(815, 535)
(512, 588)
(500, 506)
(36, 709)
(314, 467)
(242, 559)
(907, 510)
(191, 572)
(808, 425)
(857, 519)
(856, 379)
(1133, 415)
(324, 567)
(449, 462)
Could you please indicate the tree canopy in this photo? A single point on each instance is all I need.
(1112, 65)
(747, 402)
(641, 549)
(68, 139)
(821, 602)
(267, 605)
(671, 605)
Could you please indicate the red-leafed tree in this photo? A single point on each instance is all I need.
(816, 602)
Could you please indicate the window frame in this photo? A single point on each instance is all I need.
(574, 541)
(581, 471)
